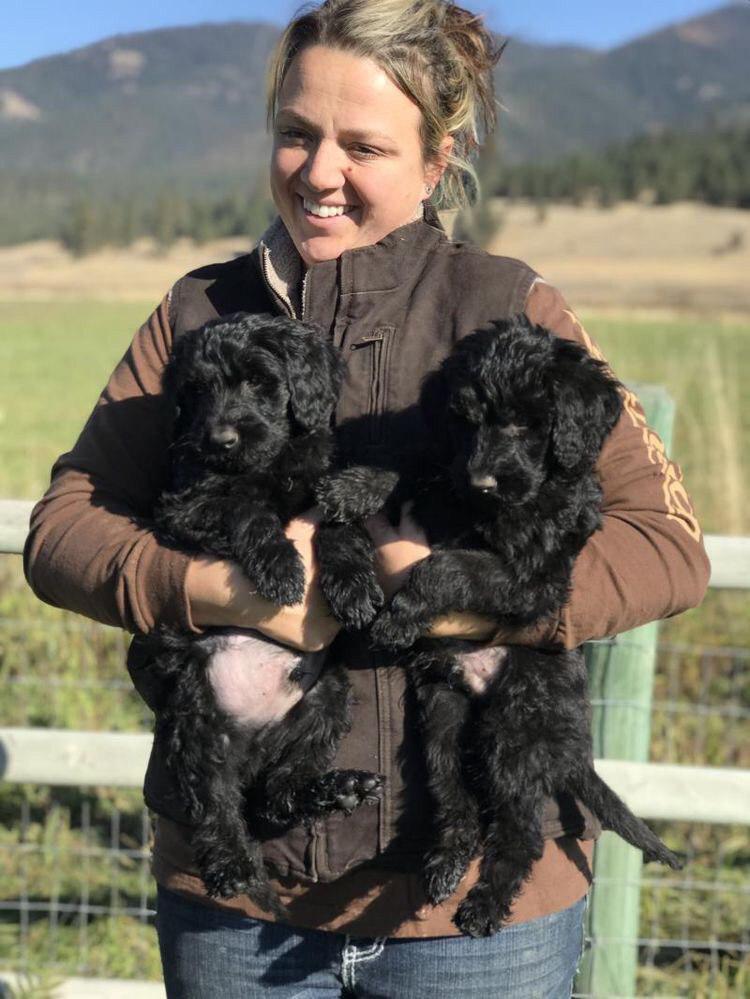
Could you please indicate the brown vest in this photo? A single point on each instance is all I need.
(395, 310)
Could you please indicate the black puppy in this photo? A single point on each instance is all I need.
(519, 417)
(253, 398)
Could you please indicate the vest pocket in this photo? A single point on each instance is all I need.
(374, 350)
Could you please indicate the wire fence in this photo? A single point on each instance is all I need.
(76, 895)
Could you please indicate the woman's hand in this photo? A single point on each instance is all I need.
(397, 549)
(463, 624)
(220, 595)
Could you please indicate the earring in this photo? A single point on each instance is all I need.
(428, 189)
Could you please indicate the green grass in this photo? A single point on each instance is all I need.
(59, 670)
(54, 359)
(705, 367)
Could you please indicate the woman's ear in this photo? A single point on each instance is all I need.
(436, 167)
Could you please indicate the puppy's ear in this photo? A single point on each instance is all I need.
(181, 365)
(314, 374)
(586, 402)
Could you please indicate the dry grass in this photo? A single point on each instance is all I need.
(43, 271)
(674, 258)
(666, 258)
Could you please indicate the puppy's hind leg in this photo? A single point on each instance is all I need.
(512, 843)
(615, 815)
(299, 785)
(226, 852)
(444, 712)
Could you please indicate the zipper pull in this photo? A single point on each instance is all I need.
(376, 337)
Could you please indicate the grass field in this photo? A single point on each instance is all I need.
(57, 670)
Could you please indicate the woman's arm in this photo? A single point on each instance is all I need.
(647, 562)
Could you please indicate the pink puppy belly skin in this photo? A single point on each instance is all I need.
(480, 668)
(250, 677)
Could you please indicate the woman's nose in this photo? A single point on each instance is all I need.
(323, 170)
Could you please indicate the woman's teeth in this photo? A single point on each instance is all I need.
(326, 211)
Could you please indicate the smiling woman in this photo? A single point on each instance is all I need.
(376, 108)
(347, 164)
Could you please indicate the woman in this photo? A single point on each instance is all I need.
(375, 107)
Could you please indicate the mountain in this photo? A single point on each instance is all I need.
(168, 103)
(185, 107)
(562, 100)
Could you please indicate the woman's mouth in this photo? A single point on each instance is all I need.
(325, 213)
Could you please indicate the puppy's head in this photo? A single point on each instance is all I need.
(243, 386)
(519, 405)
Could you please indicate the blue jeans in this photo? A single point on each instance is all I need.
(214, 954)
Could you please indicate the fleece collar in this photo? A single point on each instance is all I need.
(285, 274)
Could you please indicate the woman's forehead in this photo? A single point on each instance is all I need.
(330, 86)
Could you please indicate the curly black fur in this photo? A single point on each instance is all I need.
(253, 398)
(519, 417)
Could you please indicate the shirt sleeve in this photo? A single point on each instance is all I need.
(91, 548)
(648, 561)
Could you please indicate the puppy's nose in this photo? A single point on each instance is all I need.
(483, 482)
(224, 437)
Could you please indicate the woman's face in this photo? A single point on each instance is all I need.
(345, 137)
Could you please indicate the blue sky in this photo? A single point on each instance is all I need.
(33, 28)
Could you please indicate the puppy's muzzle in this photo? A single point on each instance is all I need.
(483, 483)
(223, 439)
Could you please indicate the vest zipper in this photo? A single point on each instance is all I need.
(379, 342)
(315, 852)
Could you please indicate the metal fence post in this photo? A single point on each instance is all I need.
(621, 685)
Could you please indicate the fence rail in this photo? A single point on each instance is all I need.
(660, 791)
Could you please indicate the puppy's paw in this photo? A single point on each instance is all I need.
(479, 915)
(278, 573)
(441, 876)
(391, 631)
(356, 603)
(346, 790)
(223, 883)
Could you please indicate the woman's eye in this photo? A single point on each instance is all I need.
(292, 134)
(365, 152)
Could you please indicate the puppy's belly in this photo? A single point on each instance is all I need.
(251, 677)
(480, 668)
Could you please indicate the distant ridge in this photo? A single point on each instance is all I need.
(185, 106)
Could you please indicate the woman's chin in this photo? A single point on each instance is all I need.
(325, 246)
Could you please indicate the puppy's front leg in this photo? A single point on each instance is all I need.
(267, 557)
(346, 557)
(355, 493)
(446, 581)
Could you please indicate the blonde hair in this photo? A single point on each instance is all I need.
(438, 54)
